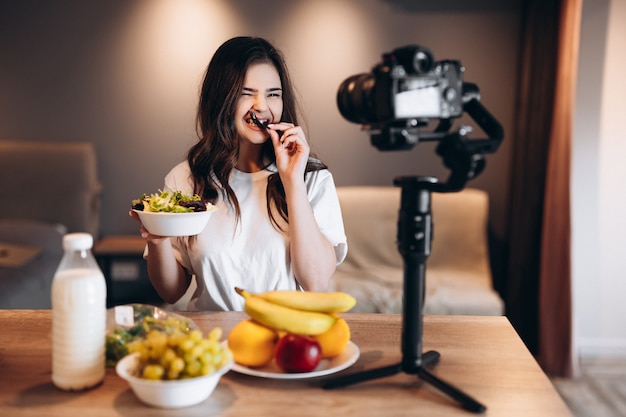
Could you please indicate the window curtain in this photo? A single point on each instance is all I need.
(538, 294)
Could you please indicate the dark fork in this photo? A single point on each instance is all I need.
(258, 122)
(264, 125)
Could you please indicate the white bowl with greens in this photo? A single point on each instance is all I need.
(172, 213)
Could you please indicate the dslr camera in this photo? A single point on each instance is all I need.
(398, 100)
(402, 93)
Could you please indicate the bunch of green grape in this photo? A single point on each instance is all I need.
(118, 338)
(179, 355)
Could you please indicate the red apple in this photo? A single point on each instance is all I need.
(296, 353)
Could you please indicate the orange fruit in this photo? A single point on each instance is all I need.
(335, 340)
(251, 343)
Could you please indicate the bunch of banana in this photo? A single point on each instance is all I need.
(298, 312)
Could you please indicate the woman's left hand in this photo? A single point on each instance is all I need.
(291, 149)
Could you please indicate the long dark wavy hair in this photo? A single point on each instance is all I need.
(213, 158)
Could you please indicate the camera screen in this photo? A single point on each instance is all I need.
(418, 103)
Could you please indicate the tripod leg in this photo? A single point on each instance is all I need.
(465, 400)
(346, 380)
(430, 358)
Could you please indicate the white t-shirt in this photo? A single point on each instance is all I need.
(251, 254)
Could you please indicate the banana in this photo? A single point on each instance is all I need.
(285, 318)
(323, 302)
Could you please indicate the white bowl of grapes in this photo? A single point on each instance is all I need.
(177, 369)
(173, 213)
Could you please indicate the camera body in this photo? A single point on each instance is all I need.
(407, 84)
(396, 102)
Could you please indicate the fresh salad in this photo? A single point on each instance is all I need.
(171, 202)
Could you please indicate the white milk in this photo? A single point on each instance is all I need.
(78, 320)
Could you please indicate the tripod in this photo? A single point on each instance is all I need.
(414, 244)
(465, 160)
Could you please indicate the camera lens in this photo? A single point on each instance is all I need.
(356, 99)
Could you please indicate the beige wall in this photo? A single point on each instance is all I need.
(598, 174)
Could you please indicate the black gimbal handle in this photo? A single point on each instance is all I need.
(465, 157)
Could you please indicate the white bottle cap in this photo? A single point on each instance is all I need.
(77, 241)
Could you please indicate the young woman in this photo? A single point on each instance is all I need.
(278, 222)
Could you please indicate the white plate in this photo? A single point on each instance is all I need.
(329, 366)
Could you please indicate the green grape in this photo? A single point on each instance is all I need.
(207, 368)
(215, 335)
(177, 365)
(208, 358)
(172, 374)
(178, 354)
(193, 368)
(204, 344)
(153, 372)
(186, 344)
(168, 356)
(175, 339)
(195, 335)
(214, 347)
(197, 351)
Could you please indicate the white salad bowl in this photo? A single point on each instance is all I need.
(169, 393)
(175, 224)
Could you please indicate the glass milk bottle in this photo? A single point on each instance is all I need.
(78, 317)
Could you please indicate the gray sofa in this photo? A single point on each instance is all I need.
(458, 274)
(49, 189)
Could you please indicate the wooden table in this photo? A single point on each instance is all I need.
(482, 356)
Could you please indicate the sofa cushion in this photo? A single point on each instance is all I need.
(53, 182)
(458, 275)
